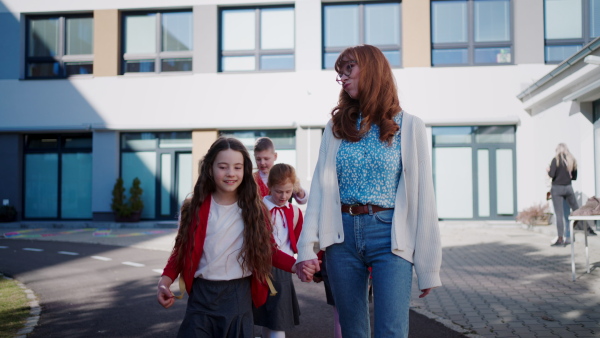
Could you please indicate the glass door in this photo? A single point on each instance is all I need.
(174, 182)
(495, 182)
(474, 172)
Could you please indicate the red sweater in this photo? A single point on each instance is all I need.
(259, 289)
(262, 187)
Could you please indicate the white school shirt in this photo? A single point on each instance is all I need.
(280, 227)
(223, 243)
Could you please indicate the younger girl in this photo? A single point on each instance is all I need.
(223, 249)
(281, 312)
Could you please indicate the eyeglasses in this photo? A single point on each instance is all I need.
(346, 70)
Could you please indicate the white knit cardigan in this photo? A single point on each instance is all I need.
(415, 230)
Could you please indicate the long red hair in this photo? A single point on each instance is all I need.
(377, 96)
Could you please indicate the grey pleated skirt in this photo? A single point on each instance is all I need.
(218, 309)
(281, 312)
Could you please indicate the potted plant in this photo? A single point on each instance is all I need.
(127, 210)
(8, 213)
(537, 214)
(136, 205)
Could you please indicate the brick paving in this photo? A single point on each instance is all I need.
(500, 279)
(503, 280)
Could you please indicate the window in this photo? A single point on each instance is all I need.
(347, 25)
(58, 176)
(568, 25)
(157, 42)
(471, 32)
(59, 46)
(257, 39)
(163, 163)
(283, 140)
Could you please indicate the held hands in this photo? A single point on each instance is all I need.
(306, 269)
(164, 295)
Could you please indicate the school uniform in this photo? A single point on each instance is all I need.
(281, 312)
(220, 292)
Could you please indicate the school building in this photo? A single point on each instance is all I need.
(95, 90)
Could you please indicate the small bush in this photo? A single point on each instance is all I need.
(120, 205)
(534, 213)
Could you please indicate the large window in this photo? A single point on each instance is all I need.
(474, 172)
(58, 176)
(569, 24)
(373, 23)
(163, 163)
(283, 140)
(471, 32)
(59, 46)
(257, 38)
(157, 42)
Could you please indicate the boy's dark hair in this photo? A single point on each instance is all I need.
(264, 143)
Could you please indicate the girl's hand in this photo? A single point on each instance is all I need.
(298, 190)
(164, 295)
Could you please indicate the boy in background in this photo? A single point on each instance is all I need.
(265, 157)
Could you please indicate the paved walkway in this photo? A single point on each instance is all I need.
(500, 279)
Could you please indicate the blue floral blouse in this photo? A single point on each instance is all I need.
(369, 170)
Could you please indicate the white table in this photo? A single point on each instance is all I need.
(572, 220)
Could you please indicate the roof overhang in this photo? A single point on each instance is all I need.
(575, 79)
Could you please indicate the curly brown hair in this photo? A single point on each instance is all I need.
(257, 248)
(377, 96)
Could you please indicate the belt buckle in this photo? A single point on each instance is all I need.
(350, 209)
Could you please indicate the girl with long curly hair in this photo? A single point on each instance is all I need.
(224, 249)
(372, 203)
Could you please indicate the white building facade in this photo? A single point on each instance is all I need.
(96, 90)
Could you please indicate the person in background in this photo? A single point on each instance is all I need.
(563, 170)
(281, 312)
(265, 157)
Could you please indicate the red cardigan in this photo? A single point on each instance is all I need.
(262, 187)
(259, 289)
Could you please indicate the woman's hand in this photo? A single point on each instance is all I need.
(164, 295)
(306, 269)
(425, 292)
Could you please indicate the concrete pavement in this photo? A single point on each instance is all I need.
(500, 278)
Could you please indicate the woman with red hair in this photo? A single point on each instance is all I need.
(372, 202)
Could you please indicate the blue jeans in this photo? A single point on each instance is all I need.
(367, 243)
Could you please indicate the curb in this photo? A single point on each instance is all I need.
(446, 322)
(34, 313)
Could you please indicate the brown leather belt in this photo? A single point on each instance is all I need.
(359, 209)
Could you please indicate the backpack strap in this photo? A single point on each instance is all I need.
(296, 215)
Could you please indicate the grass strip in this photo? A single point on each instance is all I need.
(14, 308)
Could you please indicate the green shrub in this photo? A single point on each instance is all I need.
(123, 207)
